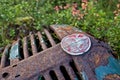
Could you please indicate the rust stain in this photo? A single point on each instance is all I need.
(112, 77)
(41, 63)
(97, 59)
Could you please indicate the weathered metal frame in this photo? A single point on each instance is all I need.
(41, 63)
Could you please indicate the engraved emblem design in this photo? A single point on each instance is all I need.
(76, 44)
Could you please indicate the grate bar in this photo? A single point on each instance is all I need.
(49, 37)
(47, 76)
(59, 31)
(4, 56)
(70, 71)
(25, 48)
(59, 74)
(33, 44)
(41, 41)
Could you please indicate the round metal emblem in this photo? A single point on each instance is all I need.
(76, 44)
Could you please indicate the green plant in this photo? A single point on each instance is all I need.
(97, 17)
(103, 24)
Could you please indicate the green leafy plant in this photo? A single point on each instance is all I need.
(97, 17)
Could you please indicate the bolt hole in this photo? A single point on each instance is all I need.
(5, 75)
(14, 65)
(17, 76)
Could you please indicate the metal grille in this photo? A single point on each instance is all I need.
(40, 57)
(65, 71)
(29, 46)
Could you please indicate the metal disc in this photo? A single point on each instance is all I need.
(76, 44)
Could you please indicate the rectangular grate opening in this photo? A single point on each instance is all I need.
(73, 66)
(65, 73)
(39, 48)
(53, 75)
(21, 50)
(7, 61)
(47, 42)
(29, 46)
(55, 37)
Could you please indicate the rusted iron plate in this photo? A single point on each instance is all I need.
(64, 30)
(37, 63)
(59, 30)
(55, 61)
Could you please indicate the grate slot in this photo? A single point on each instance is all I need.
(21, 50)
(65, 73)
(39, 48)
(25, 48)
(33, 44)
(53, 75)
(49, 37)
(41, 78)
(70, 71)
(42, 42)
(47, 42)
(5, 57)
(29, 47)
(59, 74)
(73, 66)
(55, 37)
(1, 51)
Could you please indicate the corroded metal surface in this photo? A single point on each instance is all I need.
(42, 42)
(33, 44)
(43, 59)
(112, 77)
(25, 48)
(49, 37)
(4, 56)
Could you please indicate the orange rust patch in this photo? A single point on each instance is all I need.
(112, 77)
(97, 59)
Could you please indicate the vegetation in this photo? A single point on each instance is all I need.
(101, 18)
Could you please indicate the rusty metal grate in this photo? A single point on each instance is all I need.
(30, 45)
(66, 71)
(40, 57)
